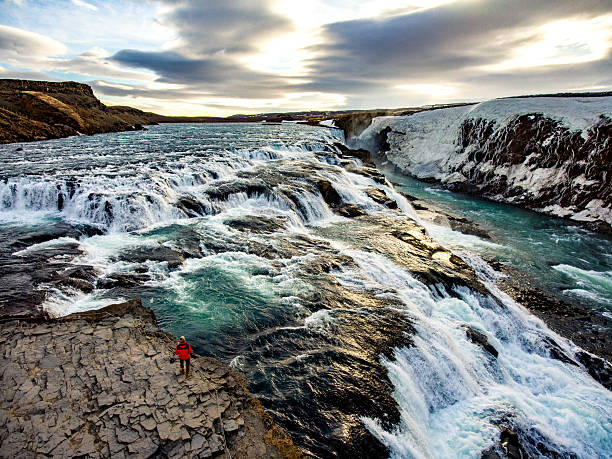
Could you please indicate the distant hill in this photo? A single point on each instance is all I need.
(39, 110)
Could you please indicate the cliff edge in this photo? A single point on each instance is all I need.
(41, 110)
(105, 383)
(548, 154)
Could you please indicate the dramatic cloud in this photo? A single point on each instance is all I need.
(450, 39)
(205, 57)
(17, 43)
(228, 26)
(441, 53)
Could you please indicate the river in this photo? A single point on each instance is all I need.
(270, 250)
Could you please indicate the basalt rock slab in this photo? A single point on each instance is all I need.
(105, 383)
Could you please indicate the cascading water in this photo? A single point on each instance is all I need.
(352, 330)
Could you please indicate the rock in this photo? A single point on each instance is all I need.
(479, 338)
(598, 368)
(105, 400)
(39, 110)
(145, 447)
(126, 435)
(215, 443)
(230, 425)
(381, 197)
(120, 396)
(160, 253)
(103, 333)
(121, 281)
(329, 193)
(191, 206)
(163, 430)
(510, 441)
(500, 160)
(350, 210)
(50, 361)
(87, 446)
(198, 442)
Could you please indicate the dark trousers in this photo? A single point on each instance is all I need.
(187, 364)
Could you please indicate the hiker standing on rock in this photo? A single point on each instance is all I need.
(183, 350)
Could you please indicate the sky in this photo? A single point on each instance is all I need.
(222, 57)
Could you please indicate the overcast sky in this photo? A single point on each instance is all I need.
(205, 57)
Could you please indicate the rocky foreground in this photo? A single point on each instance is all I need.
(105, 383)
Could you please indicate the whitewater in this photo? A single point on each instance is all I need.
(351, 337)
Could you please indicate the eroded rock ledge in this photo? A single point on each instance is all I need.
(105, 384)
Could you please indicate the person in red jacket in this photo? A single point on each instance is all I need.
(183, 350)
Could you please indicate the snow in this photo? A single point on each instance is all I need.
(426, 145)
(420, 143)
(595, 209)
(575, 113)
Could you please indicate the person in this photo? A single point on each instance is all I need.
(183, 350)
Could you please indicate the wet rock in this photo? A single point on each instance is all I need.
(351, 210)
(598, 368)
(121, 281)
(363, 155)
(369, 172)
(479, 338)
(83, 407)
(466, 226)
(78, 284)
(160, 253)
(381, 197)
(222, 190)
(191, 206)
(329, 193)
(258, 224)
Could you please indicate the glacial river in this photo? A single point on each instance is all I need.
(223, 230)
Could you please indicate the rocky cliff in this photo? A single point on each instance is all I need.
(549, 154)
(40, 110)
(105, 384)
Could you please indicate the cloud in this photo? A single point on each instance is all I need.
(451, 45)
(24, 75)
(172, 66)
(84, 4)
(240, 55)
(228, 26)
(16, 43)
(95, 63)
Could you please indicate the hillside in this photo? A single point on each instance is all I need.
(39, 110)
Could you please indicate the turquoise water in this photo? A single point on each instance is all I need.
(223, 232)
(559, 256)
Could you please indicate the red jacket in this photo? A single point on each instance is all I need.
(183, 350)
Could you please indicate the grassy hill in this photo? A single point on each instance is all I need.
(39, 110)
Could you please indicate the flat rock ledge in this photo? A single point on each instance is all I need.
(105, 383)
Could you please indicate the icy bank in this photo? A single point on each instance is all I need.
(549, 154)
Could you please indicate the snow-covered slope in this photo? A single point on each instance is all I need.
(550, 154)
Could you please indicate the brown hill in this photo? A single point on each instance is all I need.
(39, 110)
